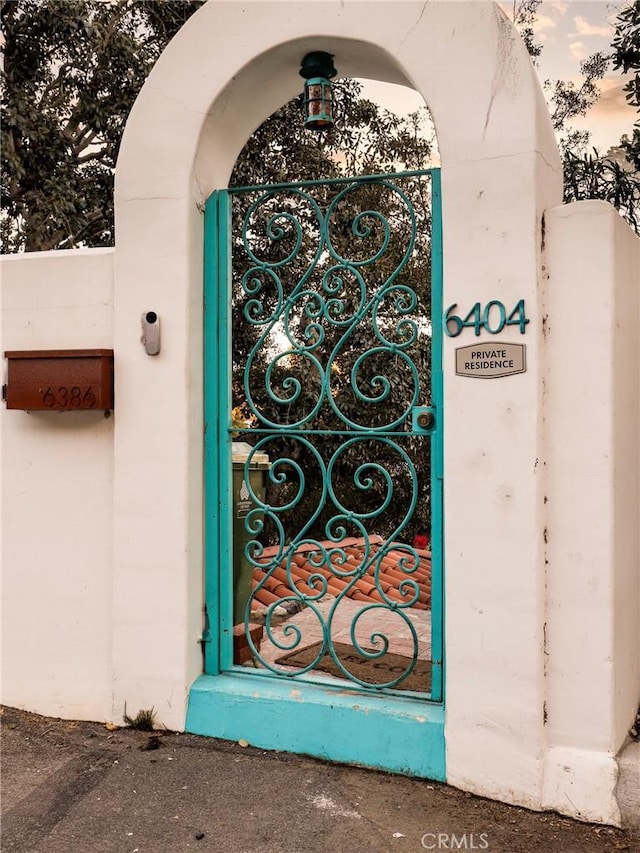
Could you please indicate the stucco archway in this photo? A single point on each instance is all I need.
(500, 171)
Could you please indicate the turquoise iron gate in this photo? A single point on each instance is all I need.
(323, 358)
(323, 602)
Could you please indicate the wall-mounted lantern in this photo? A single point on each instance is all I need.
(317, 69)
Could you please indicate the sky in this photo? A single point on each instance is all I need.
(569, 31)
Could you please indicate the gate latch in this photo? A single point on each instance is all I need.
(423, 419)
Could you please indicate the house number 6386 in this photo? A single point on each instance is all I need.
(493, 318)
(65, 397)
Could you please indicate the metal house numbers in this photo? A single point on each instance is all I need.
(494, 359)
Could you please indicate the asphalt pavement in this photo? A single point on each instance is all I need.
(77, 787)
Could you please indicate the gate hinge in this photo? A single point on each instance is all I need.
(205, 637)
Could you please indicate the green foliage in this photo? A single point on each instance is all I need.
(626, 49)
(612, 178)
(590, 176)
(284, 359)
(144, 721)
(568, 99)
(626, 58)
(71, 71)
(524, 17)
(365, 140)
(587, 173)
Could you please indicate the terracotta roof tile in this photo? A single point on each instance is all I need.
(265, 597)
(280, 585)
(359, 596)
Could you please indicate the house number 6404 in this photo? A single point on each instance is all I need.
(493, 318)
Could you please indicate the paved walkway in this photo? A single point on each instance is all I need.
(72, 787)
(379, 620)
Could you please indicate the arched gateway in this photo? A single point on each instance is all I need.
(536, 547)
(228, 69)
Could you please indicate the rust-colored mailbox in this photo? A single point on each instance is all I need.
(60, 380)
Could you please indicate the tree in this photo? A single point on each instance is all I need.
(587, 173)
(306, 362)
(71, 71)
(565, 98)
(524, 17)
(626, 58)
(591, 175)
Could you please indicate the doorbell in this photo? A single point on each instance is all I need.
(151, 332)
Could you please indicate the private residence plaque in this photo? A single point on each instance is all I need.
(491, 360)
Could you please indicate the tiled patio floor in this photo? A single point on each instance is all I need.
(378, 620)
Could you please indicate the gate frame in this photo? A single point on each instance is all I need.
(382, 731)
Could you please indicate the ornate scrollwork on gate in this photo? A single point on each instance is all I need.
(331, 356)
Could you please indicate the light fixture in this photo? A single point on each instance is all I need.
(317, 69)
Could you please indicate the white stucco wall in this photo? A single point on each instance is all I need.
(593, 555)
(102, 519)
(56, 497)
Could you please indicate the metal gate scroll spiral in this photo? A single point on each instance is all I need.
(331, 362)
